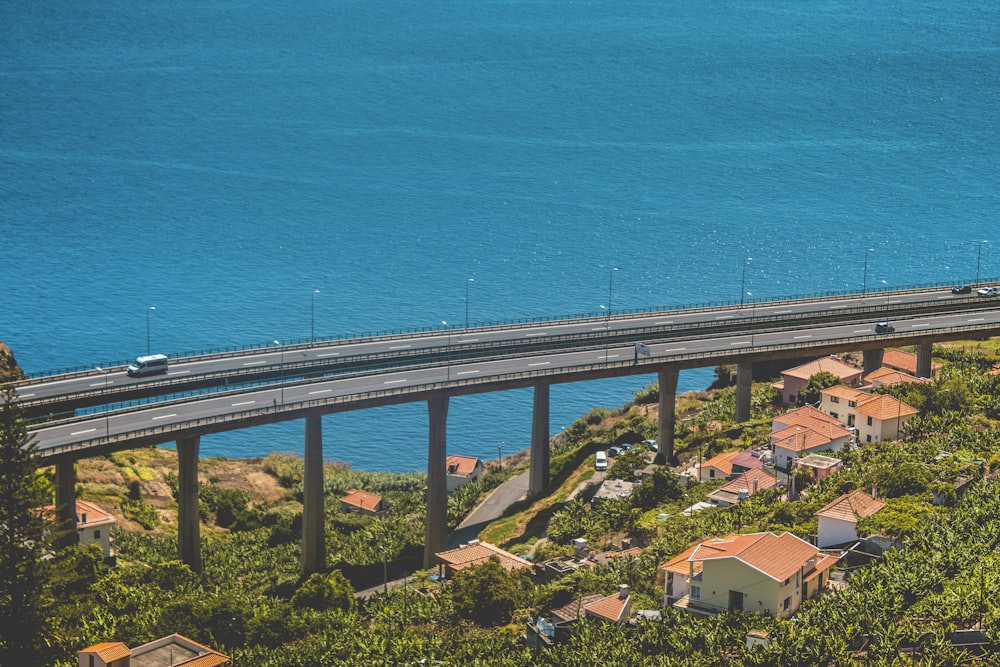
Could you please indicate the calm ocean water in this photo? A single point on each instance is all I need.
(221, 160)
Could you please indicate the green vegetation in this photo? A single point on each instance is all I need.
(251, 602)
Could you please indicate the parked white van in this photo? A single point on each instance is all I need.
(601, 461)
(150, 365)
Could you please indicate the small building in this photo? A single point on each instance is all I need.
(477, 553)
(461, 470)
(742, 487)
(171, 651)
(906, 362)
(838, 520)
(794, 379)
(882, 417)
(613, 489)
(364, 503)
(819, 466)
(546, 631)
(804, 431)
(886, 376)
(719, 466)
(93, 525)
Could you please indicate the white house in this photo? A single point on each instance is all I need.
(804, 431)
(92, 525)
(882, 417)
(838, 521)
(461, 470)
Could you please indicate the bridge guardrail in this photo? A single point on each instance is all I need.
(453, 386)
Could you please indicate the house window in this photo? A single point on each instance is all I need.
(798, 579)
(711, 472)
(852, 404)
(97, 534)
(869, 421)
(834, 399)
(868, 438)
(696, 592)
(787, 603)
(835, 415)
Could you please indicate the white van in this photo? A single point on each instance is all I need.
(601, 461)
(151, 365)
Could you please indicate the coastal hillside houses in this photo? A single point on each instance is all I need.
(757, 572)
(170, 651)
(803, 431)
(838, 520)
(461, 470)
(742, 487)
(730, 464)
(794, 379)
(93, 525)
(889, 376)
(363, 502)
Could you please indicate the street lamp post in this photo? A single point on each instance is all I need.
(743, 279)
(979, 257)
(448, 351)
(312, 315)
(864, 280)
(281, 371)
(500, 455)
(107, 421)
(753, 314)
(467, 282)
(150, 308)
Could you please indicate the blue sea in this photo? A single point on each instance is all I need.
(221, 160)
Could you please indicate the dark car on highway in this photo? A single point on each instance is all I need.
(961, 289)
(884, 327)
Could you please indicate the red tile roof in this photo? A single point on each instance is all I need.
(851, 507)
(823, 365)
(751, 481)
(576, 609)
(363, 499)
(614, 608)
(798, 439)
(778, 557)
(845, 392)
(884, 407)
(904, 361)
(475, 553)
(108, 651)
(889, 376)
(457, 464)
(722, 462)
(680, 564)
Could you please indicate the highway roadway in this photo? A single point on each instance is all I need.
(62, 394)
(276, 402)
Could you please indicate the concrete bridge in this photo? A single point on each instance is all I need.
(307, 381)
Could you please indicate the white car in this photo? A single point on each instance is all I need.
(987, 291)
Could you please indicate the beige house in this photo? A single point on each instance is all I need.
(882, 417)
(461, 470)
(841, 402)
(93, 525)
(838, 521)
(363, 502)
(719, 466)
(758, 572)
(794, 379)
(171, 651)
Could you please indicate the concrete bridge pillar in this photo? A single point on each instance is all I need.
(65, 518)
(668, 405)
(872, 360)
(539, 476)
(924, 360)
(313, 515)
(744, 383)
(436, 522)
(188, 521)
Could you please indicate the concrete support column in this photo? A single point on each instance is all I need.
(924, 360)
(538, 478)
(188, 521)
(436, 522)
(744, 383)
(65, 504)
(668, 405)
(313, 506)
(872, 360)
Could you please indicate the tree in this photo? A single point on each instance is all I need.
(811, 392)
(24, 619)
(486, 594)
(325, 591)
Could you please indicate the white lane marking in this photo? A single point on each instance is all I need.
(400, 347)
(172, 373)
(664, 322)
(394, 381)
(976, 319)
(806, 336)
(255, 363)
(675, 349)
(321, 391)
(468, 340)
(611, 356)
(532, 335)
(598, 328)
(89, 430)
(244, 403)
(864, 331)
(466, 372)
(724, 317)
(165, 416)
(782, 312)
(25, 395)
(946, 296)
(99, 384)
(919, 326)
(541, 363)
(328, 354)
(741, 342)
(838, 307)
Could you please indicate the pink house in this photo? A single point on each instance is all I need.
(794, 379)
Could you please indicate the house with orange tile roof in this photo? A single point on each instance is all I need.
(840, 402)
(461, 470)
(794, 379)
(93, 524)
(882, 417)
(552, 628)
(363, 502)
(719, 466)
(742, 487)
(838, 520)
(886, 375)
(613, 608)
(804, 431)
(171, 651)
(477, 553)
(906, 362)
(758, 572)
